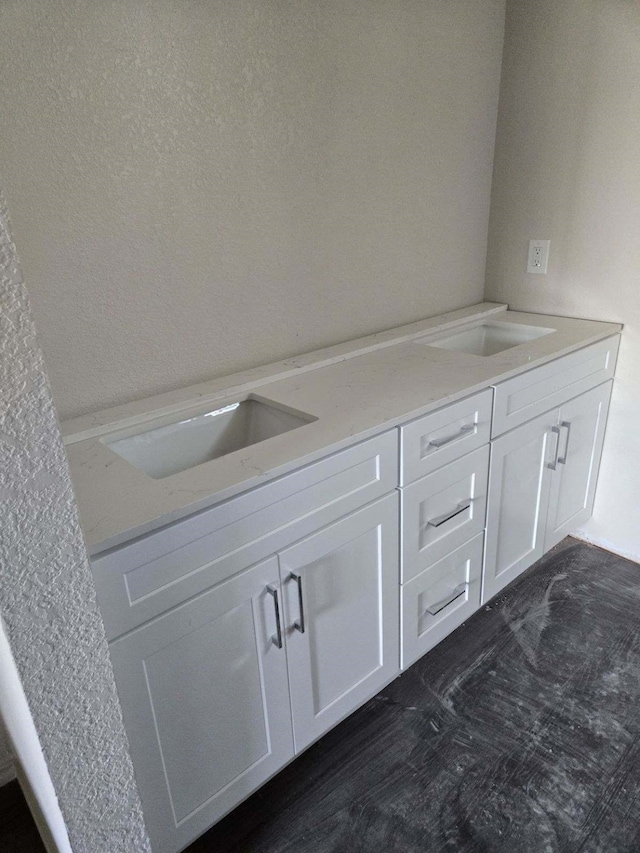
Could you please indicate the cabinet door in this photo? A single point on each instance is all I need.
(205, 698)
(519, 481)
(341, 593)
(573, 485)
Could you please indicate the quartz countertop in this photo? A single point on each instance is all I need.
(354, 390)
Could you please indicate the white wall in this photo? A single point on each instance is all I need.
(197, 188)
(567, 168)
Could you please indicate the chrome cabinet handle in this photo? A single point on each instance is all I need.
(440, 605)
(277, 640)
(567, 425)
(299, 625)
(436, 522)
(553, 465)
(440, 442)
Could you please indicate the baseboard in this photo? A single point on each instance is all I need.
(605, 545)
(7, 772)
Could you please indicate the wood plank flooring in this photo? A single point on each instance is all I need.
(520, 733)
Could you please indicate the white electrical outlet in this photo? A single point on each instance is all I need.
(538, 256)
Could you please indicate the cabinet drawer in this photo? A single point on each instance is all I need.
(442, 511)
(440, 599)
(440, 437)
(156, 572)
(530, 394)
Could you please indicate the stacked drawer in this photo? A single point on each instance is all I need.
(443, 477)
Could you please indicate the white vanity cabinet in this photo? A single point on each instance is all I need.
(223, 688)
(242, 633)
(222, 691)
(543, 473)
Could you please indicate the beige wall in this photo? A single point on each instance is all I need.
(199, 187)
(567, 169)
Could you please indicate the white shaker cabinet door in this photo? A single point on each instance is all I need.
(205, 698)
(573, 485)
(519, 482)
(341, 603)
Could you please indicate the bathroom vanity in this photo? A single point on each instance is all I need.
(271, 549)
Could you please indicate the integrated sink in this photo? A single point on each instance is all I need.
(487, 337)
(170, 447)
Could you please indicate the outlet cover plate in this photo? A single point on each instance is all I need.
(538, 259)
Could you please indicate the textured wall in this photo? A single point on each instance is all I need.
(200, 187)
(567, 169)
(47, 598)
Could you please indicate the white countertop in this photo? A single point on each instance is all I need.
(355, 390)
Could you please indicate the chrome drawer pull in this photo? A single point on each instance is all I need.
(440, 442)
(440, 605)
(567, 425)
(553, 465)
(441, 519)
(299, 626)
(277, 640)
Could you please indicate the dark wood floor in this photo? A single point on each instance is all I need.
(520, 733)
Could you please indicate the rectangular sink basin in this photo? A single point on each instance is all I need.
(176, 446)
(487, 337)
